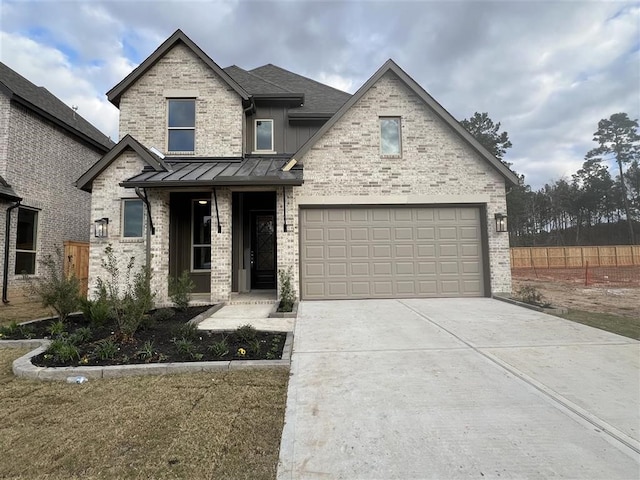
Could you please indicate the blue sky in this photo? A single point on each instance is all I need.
(547, 70)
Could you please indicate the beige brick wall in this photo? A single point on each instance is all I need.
(42, 162)
(435, 164)
(219, 114)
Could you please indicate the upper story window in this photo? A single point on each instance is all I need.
(390, 136)
(132, 218)
(26, 241)
(264, 135)
(181, 124)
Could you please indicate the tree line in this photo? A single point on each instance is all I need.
(593, 207)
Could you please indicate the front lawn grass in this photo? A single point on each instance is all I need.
(207, 425)
(628, 327)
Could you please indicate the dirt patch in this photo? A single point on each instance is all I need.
(572, 293)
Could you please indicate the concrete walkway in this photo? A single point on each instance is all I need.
(231, 317)
(457, 388)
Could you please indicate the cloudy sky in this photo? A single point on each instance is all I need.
(547, 70)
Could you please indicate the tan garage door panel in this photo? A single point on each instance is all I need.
(391, 252)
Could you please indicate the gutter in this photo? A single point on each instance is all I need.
(5, 266)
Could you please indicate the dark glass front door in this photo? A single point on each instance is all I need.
(263, 250)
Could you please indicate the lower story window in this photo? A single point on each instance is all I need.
(132, 218)
(26, 241)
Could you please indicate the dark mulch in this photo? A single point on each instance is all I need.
(168, 340)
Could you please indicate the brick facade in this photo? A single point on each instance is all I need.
(41, 162)
(219, 117)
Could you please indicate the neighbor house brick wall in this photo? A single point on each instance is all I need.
(219, 113)
(435, 163)
(41, 162)
(106, 201)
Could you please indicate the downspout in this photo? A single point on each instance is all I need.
(5, 266)
(142, 194)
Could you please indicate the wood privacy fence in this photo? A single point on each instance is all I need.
(76, 261)
(575, 257)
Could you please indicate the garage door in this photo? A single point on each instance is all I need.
(390, 252)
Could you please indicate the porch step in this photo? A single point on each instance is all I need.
(231, 317)
(255, 297)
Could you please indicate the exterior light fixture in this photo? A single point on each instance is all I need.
(203, 202)
(102, 227)
(501, 222)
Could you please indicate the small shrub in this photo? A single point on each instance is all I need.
(13, 330)
(246, 333)
(287, 297)
(54, 288)
(180, 290)
(184, 346)
(530, 294)
(255, 346)
(187, 330)
(147, 351)
(106, 349)
(98, 311)
(163, 314)
(63, 351)
(83, 335)
(219, 349)
(56, 329)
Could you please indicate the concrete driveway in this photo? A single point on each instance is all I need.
(457, 388)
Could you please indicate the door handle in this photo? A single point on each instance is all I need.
(252, 259)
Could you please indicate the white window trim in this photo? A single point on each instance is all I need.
(35, 242)
(168, 128)
(255, 136)
(386, 117)
(193, 246)
(144, 218)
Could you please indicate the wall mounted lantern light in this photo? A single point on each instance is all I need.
(501, 222)
(102, 227)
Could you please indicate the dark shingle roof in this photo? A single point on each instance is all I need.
(6, 191)
(253, 83)
(40, 100)
(318, 98)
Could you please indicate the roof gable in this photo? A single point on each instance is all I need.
(47, 105)
(85, 182)
(439, 110)
(7, 192)
(178, 37)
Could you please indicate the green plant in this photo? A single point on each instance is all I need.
(180, 289)
(55, 289)
(96, 311)
(287, 296)
(82, 334)
(62, 350)
(187, 330)
(106, 349)
(219, 349)
(184, 346)
(255, 346)
(56, 329)
(530, 294)
(147, 351)
(246, 333)
(163, 314)
(129, 305)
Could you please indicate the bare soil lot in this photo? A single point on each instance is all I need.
(613, 298)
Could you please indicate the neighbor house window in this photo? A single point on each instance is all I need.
(201, 235)
(26, 239)
(181, 125)
(264, 135)
(390, 136)
(132, 218)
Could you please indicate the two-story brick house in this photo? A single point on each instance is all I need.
(234, 175)
(44, 146)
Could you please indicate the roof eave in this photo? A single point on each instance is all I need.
(218, 182)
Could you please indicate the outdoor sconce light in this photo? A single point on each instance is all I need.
(501, 222)
(102, 227)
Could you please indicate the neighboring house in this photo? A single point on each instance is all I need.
(244, 173)
(44, 146)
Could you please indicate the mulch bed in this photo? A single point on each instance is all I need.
(168, 340)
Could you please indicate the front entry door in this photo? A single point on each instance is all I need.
(263, 250)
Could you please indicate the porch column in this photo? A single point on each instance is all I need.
(221, 246)
(159, 200)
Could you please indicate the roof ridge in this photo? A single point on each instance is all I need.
(301, 76)
(268, 81)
